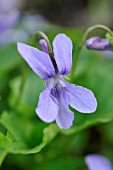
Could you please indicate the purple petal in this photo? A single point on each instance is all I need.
(65, 116)
(39, 61)
(98, 162)
(48, 106)
(97, 43)
(80, 98)
(43, 46)
(63, 53)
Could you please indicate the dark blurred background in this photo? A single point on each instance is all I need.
(72, 12)
(40, 14)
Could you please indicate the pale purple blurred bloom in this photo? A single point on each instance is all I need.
(98, 162)
(97, 43)
(108, 54)
(32, 23)
(54, 100)
(9, 14)
(12, 36)
(8, 5)
(8, 20)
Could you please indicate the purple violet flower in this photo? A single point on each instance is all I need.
(54, 100)
(97, 43)
(98, 162)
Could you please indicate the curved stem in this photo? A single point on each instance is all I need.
(88, 31)
(39, 33)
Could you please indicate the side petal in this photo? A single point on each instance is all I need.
(65, 116)
(39, 61)
(48, 107)
(98, 162)
(81, 99)
(63, 53)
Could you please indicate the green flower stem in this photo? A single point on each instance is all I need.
(39, 33)
(88, 31)
(23, 80)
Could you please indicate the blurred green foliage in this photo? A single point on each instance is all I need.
(22, 133)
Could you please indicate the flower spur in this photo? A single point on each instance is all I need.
(54, 100)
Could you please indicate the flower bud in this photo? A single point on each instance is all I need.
(43, 46)
(97, 43)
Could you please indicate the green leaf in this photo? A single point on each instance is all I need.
(4, 147)
(63, 163)
(25, 98)
(9, 58)
(25, 136)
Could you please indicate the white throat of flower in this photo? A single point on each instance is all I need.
(55, 83)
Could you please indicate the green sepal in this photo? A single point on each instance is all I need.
(108, 36)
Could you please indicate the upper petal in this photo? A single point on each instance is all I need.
(98, 162)
(63, 53)
(39, 61)
(65, 116)
(80, 98)
(48, 106)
